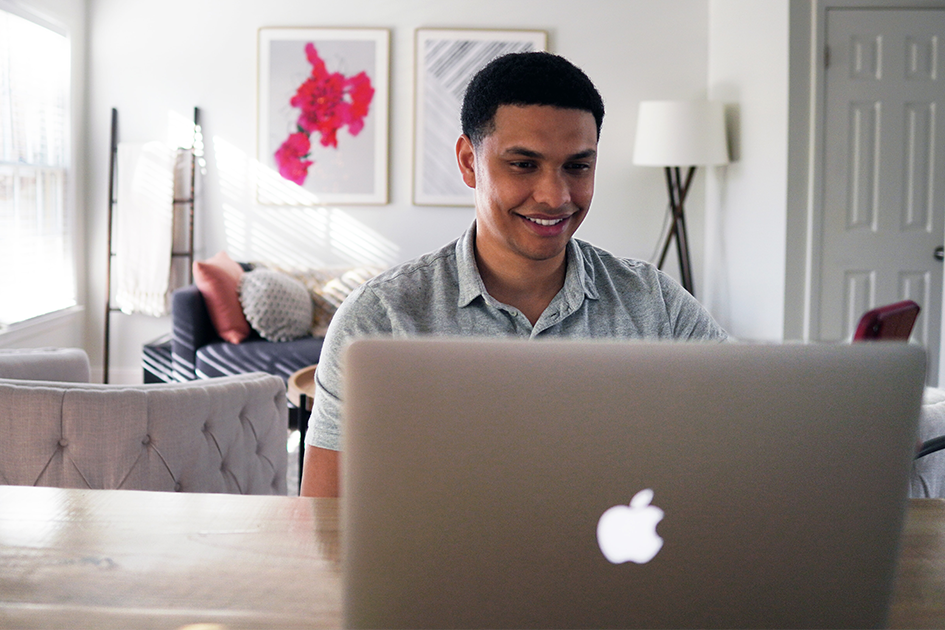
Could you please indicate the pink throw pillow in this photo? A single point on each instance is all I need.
(217, 279)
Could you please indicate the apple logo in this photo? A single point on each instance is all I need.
(627, 533)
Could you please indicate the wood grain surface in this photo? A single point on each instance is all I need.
(123, 559)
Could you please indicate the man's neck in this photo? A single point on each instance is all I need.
(528, 285)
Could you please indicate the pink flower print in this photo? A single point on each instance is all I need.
(362, 93)
(289, 158)
(328, 101)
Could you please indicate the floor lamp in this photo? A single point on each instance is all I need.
(678, 135)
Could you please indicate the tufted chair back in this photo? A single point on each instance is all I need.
(217, 435)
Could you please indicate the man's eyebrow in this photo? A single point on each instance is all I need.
(529, 153)
(583, 155)
(523, 152)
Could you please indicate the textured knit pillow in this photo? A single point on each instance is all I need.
(328, 286)
(277, 306)
(217, 279)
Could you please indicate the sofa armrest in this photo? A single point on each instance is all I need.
(46, 364)
(191, 329)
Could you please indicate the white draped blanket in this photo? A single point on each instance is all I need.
(144, 227)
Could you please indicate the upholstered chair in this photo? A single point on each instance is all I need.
(217, 435)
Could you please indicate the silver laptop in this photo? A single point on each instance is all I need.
(576, 484)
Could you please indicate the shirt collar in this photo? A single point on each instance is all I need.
(577, 282)
(470, 282)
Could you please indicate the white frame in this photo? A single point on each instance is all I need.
(272, 188)
(435, 129)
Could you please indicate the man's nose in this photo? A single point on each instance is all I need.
(552, 189)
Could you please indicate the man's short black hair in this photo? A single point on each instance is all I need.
(529, 78)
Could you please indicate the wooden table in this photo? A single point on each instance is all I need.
(919, 597)
(302, 383)
(121, 559)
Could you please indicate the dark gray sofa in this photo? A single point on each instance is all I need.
(198, 352)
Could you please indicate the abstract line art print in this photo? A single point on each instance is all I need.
(446, 60)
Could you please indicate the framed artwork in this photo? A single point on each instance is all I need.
(446, 59)
(323, 116)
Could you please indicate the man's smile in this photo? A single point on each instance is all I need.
(547, 221)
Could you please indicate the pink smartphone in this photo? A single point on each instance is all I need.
(893, 321)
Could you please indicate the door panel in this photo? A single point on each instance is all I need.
(884, 184)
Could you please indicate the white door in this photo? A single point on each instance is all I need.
(884, 184)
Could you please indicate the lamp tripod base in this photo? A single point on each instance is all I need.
(678, 189)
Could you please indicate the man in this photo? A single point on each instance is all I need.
(531, 123)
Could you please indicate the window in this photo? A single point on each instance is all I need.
(36, 226)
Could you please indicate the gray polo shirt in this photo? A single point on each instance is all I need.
(441, 293)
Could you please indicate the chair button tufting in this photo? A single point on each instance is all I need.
(146, 440)
(63, 442)
(177, 487)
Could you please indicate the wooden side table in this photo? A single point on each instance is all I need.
(300, 391)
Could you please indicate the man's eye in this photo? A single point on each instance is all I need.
(523, 164)
(578, 166)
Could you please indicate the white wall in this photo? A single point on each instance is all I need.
(746, 201)
(152, 60)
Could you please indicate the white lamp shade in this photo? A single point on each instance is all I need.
(680, 133)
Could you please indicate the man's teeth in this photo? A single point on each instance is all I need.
(546, 221)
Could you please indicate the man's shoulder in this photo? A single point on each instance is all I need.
(599, 261)
(409, 272)
(402, 297)
(659, 306)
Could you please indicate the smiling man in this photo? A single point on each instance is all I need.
(534, 179)
(531, 123)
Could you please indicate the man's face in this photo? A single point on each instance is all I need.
(534, 179)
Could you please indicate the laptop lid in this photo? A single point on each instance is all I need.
(757, 485)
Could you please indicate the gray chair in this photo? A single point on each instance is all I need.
(894, 322)
(928, 471)
(218, 435)
(45, 364)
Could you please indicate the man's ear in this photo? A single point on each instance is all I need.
(466, 158)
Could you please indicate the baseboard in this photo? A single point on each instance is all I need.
(120, 376)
